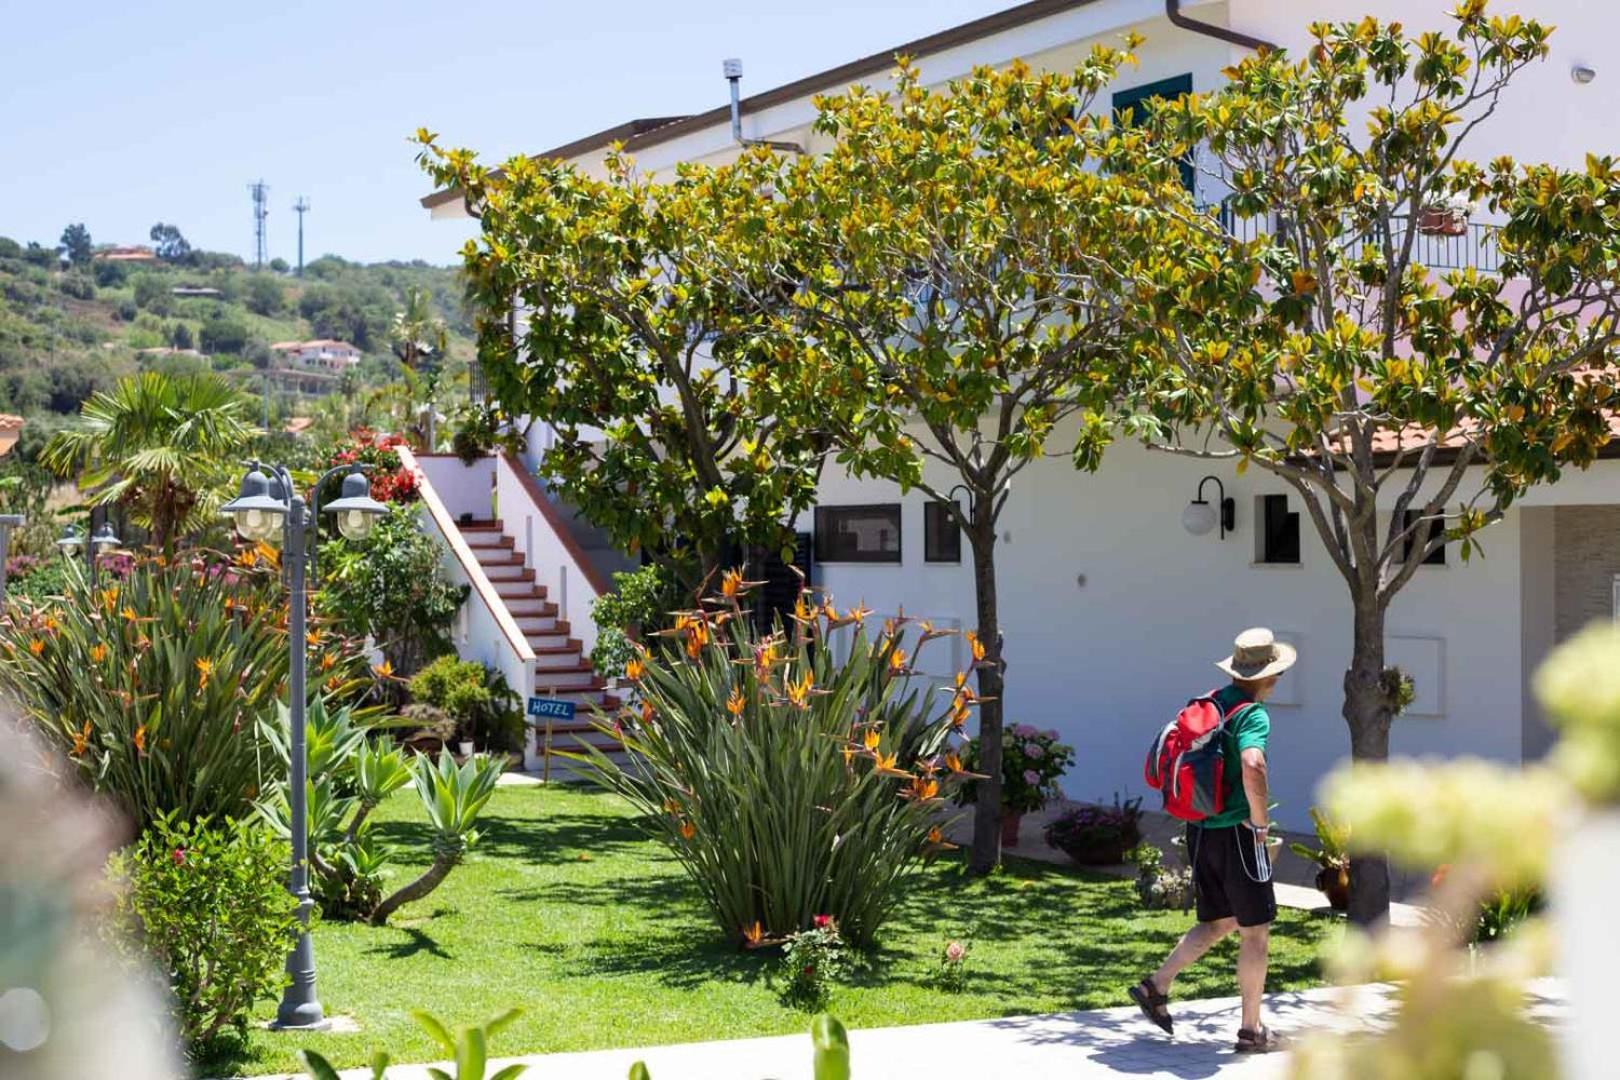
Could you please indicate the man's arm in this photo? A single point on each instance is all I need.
(1255, 786)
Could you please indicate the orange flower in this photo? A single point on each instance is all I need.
(634, 669)
(247, 558)
(885, 764)
(935, 836)
(731, 584)
(671, 806)
(753, 934)
(897, 660)
(977, 645)
(129, 614)
(313, 638)
(871, 739)
(140, 740)
(334, 684)
(384, 670)
(81, 740)
(764, 657)
(647, 713)
(959, 715)
(923, 789)
(688, 830)
(109, 597)
(37, 646)
(802, 610)
(205, 671)
(799, 692)
(736, 702)
(98, 653)
(953, 761)
(328, 661)
(51, 625)
(859, 613)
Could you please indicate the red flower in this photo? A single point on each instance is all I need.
(179, 855)
(822, 921)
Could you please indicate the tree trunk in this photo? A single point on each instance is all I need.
(986, 852)
(430, 879)
(1368, 710)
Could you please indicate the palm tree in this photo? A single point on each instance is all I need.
(417, 335)
(164, 448)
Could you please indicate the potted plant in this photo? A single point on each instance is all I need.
(1332, 858)
(1160, 887)
(476, 700)
(1097, 835)
(1448, 217)
(1031, 763)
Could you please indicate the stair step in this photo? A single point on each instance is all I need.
(517, 590)
(541, 640)
(484, 526)
(583, 696)
(504, 571)
(577, 675)
(558, 658)
(529, 606)
(539, 625)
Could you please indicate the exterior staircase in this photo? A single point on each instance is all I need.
(562, 670)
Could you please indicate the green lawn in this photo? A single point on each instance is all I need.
(563, 909)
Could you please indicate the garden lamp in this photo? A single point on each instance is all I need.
(355, 509)
(260, 509)
(104, 539)
(70, 542)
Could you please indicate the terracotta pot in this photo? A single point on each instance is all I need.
(1009, 828)
(1334, 884)
(1438, 221)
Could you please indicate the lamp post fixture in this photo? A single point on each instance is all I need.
(101, 541)
(1200, 517)
(269, 509)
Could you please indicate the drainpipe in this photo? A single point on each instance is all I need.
(1172, 11)
(733, 72)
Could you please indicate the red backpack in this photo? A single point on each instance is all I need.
(1187, 762)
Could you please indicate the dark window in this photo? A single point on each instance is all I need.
(942, 538)
(1420, 538)
(858, 533)
(1130, 106)
(1279, 530)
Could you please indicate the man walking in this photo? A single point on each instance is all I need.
(1227, 850)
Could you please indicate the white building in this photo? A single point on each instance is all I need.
(323, 353)
(1112, 611)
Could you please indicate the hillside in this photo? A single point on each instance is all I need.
(66, 332)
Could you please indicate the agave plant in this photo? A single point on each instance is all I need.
(154, 685)
(794, 774)
(452, 795)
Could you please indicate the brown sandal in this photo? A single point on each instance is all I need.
(1261, 1040)
(1153, 1004)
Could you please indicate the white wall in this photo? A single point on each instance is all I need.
(1108, 661)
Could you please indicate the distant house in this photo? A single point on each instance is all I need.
(322, 353)
(134, 253)
(10, 431)
(195, 290)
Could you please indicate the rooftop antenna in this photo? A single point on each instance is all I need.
(733, 72)
(301, 206)
(261, 210)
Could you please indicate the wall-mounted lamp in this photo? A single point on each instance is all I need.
(1200, 517)
(1582, 74)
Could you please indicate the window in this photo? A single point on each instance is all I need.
(1278, 535)
(858, 533)
(1134, 101)
(942, 538)
(1421, 538)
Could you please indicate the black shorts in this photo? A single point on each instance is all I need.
(1224, 868)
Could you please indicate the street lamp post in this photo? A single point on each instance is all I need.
(100, 542)
(270, 507)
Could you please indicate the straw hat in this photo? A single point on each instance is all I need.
(1257, 654)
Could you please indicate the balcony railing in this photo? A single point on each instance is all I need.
(1471, 247)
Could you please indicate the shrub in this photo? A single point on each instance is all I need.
(475, 698)
(1097, 835)
(791, 774)
(1032, 761)
(222, 333)
(154, 685)
(208, 905)
(951, 975)
(392, 587)
(812, 960)
(110, 273)
(35, 580)
(79, 286)
(636, 604)
(1158, 886)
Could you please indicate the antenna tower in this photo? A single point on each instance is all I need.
(261, 210)
(301, 206)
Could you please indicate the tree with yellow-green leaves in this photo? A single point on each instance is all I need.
(952, 267)
(1406, 407)
(605, 309)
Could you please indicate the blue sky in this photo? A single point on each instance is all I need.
(121, 114)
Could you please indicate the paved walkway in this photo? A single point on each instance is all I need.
(1070, 1046)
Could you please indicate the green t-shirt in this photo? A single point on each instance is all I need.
(1250, 728)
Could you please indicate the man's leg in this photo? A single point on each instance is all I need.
(1193, 944)
(1253, 943)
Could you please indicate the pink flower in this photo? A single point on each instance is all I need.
(822, 921)
(1034, 751)
(1025, 731)
(1032, 778)
(954, 952)
(178, 855)
(1050, 733)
